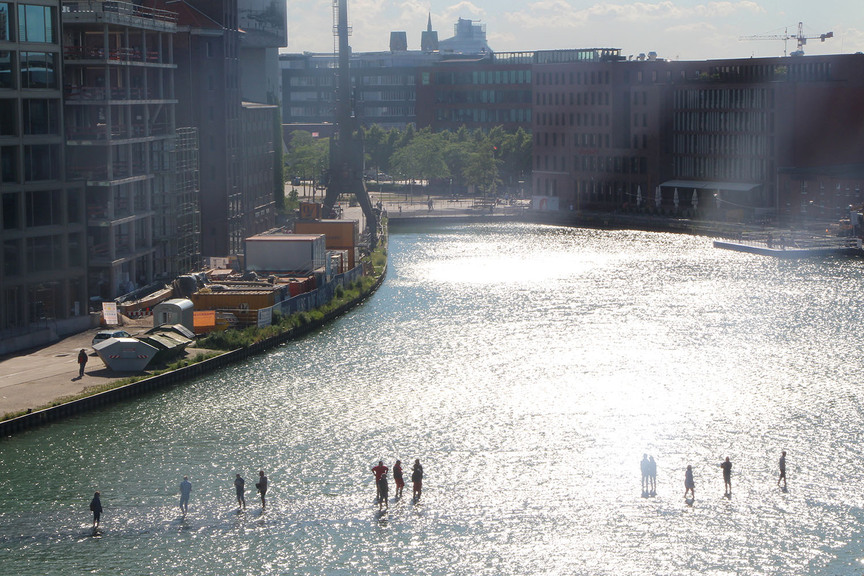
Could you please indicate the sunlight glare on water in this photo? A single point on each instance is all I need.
(529, 368)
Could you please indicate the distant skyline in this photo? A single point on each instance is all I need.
(675, 29)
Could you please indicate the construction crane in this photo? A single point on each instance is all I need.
(800, 37)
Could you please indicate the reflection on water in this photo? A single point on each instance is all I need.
(529, 368)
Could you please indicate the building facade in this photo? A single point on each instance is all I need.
(43, 226)
(696, 136)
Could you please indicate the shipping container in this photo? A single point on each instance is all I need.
(273, 253)
(211, 299)
(339, 234)
(310, 211)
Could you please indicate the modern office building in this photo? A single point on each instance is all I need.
(709, 135)
(210, 86)
(43, 227)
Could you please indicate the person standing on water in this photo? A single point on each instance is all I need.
(185, 491)
(240, 487)
(689, 485)
(82, 362)
(96, 508)
(397, 478)
(384, 491)
(417, 479)
(652, 474)
(261, 485)
(727, 476)
(643, 465)
(379, 471)
(782, 469)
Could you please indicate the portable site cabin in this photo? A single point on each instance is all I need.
(175, 311)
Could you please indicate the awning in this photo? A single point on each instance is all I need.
(707, 185)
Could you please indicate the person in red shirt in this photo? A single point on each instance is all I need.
(379, 471)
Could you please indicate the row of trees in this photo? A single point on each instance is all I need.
(463, 158)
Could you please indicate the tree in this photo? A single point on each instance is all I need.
(307, 155)
(422, 158)
(482, 169)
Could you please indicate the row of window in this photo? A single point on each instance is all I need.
(575, 78)
(583, 119)
(41, 254)
(34, 70)
(463, 115)
(593, 163)
(483, 97)
(35, 23)
(576, 99)
(41, 208)
(38, 117)
(40, 162)
(724, 98)
(481, 77)
(753, 169)
(723, 122)
(724, 144)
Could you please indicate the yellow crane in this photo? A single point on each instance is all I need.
(800, 37)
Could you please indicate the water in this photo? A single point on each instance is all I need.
(529, 368)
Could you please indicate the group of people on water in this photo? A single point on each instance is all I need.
(649, 476)
(382, 488)
(260, 486)
(186, 491)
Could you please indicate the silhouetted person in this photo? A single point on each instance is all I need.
(82, 362)
(689, 485)
(96, 508)
(727, 475)
(379, 471)
(383, 491)
(185, 491)
(782, 469)
(417, 478)
(261, 485)
(240, 487)
(643, 466)
(397, 478)
(652, 474)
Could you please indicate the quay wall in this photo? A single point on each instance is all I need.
(147, 385)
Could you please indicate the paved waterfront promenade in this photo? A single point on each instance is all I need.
(36, 377)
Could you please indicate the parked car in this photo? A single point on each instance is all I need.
(103, 335)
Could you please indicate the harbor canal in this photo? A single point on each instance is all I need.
(529, 368)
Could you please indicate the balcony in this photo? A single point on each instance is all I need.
(123, 13)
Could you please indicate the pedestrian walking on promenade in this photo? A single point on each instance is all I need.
(240, 487)
(185, 491)
(727, 476)
(397, 478)
(643, 466)
(379, 471)
(782, 469)
(96, 508)
(689, 484)
(652, 475)
(417, 479)
(82, 362)
(261, 485)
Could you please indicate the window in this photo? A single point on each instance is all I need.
(37, 70)
(7, 79)
(44, 208)
(9, 164)
(8, 118)
(35, 23)
(41, 117)
(5, 18)
(11, 220)
(41, 162)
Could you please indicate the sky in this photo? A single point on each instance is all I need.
(675, 29)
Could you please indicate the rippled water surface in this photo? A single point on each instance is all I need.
(529, 368)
